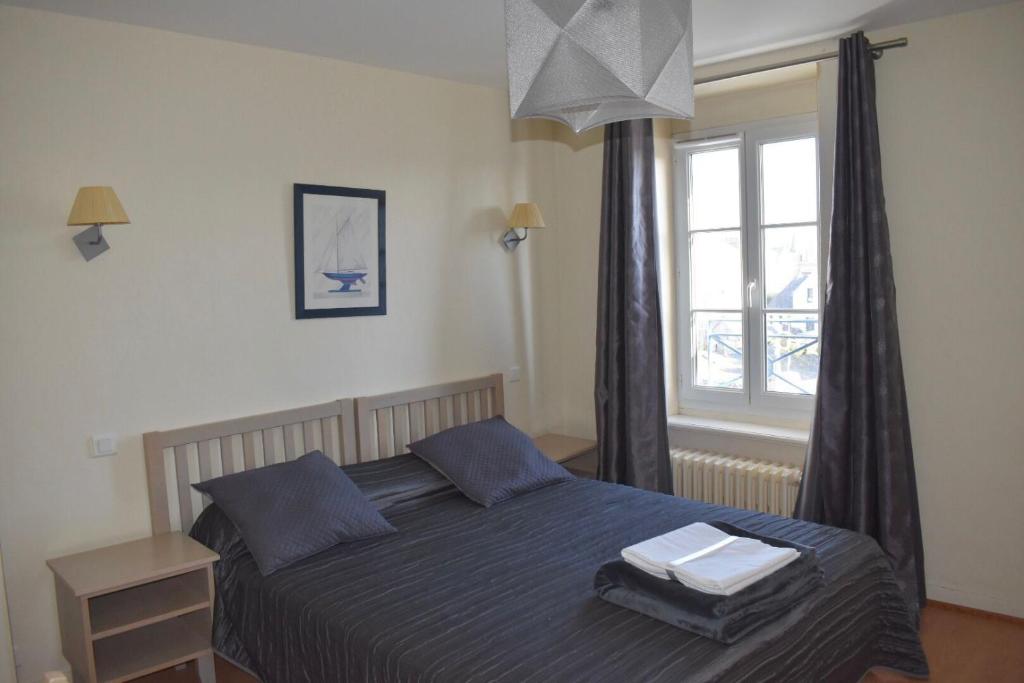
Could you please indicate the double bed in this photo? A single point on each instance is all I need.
(467, 593)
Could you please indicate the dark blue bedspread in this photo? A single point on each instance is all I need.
(464, 593)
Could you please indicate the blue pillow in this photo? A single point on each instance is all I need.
(291, 510)
(489, 461)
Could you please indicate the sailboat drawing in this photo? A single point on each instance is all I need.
(333, 265)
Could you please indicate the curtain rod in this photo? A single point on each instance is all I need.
(876, 50)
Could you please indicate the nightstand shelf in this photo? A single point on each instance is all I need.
(132, 609)
(148, 649)
(149, 603)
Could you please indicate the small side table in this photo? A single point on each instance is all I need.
(577, 455)
(131, 609)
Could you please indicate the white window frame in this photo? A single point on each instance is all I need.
(754, 399)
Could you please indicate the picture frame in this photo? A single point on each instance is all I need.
(340, 264)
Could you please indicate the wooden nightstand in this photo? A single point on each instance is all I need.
(131, 609)
(579, 456)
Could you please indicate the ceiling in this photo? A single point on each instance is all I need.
(464, 40)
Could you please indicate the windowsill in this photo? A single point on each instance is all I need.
(757, 430)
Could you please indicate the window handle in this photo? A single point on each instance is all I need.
(751, 286)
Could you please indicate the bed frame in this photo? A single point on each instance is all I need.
(346, 430)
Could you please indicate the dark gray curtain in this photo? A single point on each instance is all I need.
(859, 472)
(629, 392)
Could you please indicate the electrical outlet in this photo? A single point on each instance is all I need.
(103, 445)
(513, 373)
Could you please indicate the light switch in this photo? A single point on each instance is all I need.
(103, 445)
(513, 373)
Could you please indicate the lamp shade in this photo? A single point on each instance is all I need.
(591, 62)
(526, 215)
(97, 205)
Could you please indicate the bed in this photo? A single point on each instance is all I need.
(466, 593)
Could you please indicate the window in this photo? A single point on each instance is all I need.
(748, 254)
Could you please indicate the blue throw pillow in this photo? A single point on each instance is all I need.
(291, 510)
(489, 461)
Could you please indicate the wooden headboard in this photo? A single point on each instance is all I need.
(387, 423)
(347, 431)
(178, 458)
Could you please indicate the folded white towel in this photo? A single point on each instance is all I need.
(706, 559)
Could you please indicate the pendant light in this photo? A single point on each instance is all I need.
(591, 62)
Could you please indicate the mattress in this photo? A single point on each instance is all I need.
(466, 593)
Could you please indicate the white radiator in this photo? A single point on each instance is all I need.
(737, 482)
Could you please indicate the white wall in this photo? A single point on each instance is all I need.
(189, 317)
(951, 109)
(951, 113)
(755, 102)
(571, 343)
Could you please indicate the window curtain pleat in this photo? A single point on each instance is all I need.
(629, 392)
(859, 471)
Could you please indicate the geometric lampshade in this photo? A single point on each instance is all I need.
(97, 205)
(591, 62)
(526, 215)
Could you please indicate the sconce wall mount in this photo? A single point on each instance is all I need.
(511, 239)
(95, 206)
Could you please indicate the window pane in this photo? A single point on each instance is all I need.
(718, 350)
(789, 181)
(791, 267)
(792, 363)
(715, 189)
(716, 264)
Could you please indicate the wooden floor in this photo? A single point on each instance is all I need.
(962, 647)
(965, 645)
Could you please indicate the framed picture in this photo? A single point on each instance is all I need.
(339, 252)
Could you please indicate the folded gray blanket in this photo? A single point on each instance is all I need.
(725, 618)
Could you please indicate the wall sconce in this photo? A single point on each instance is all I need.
(95, 206)
(526, 216)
